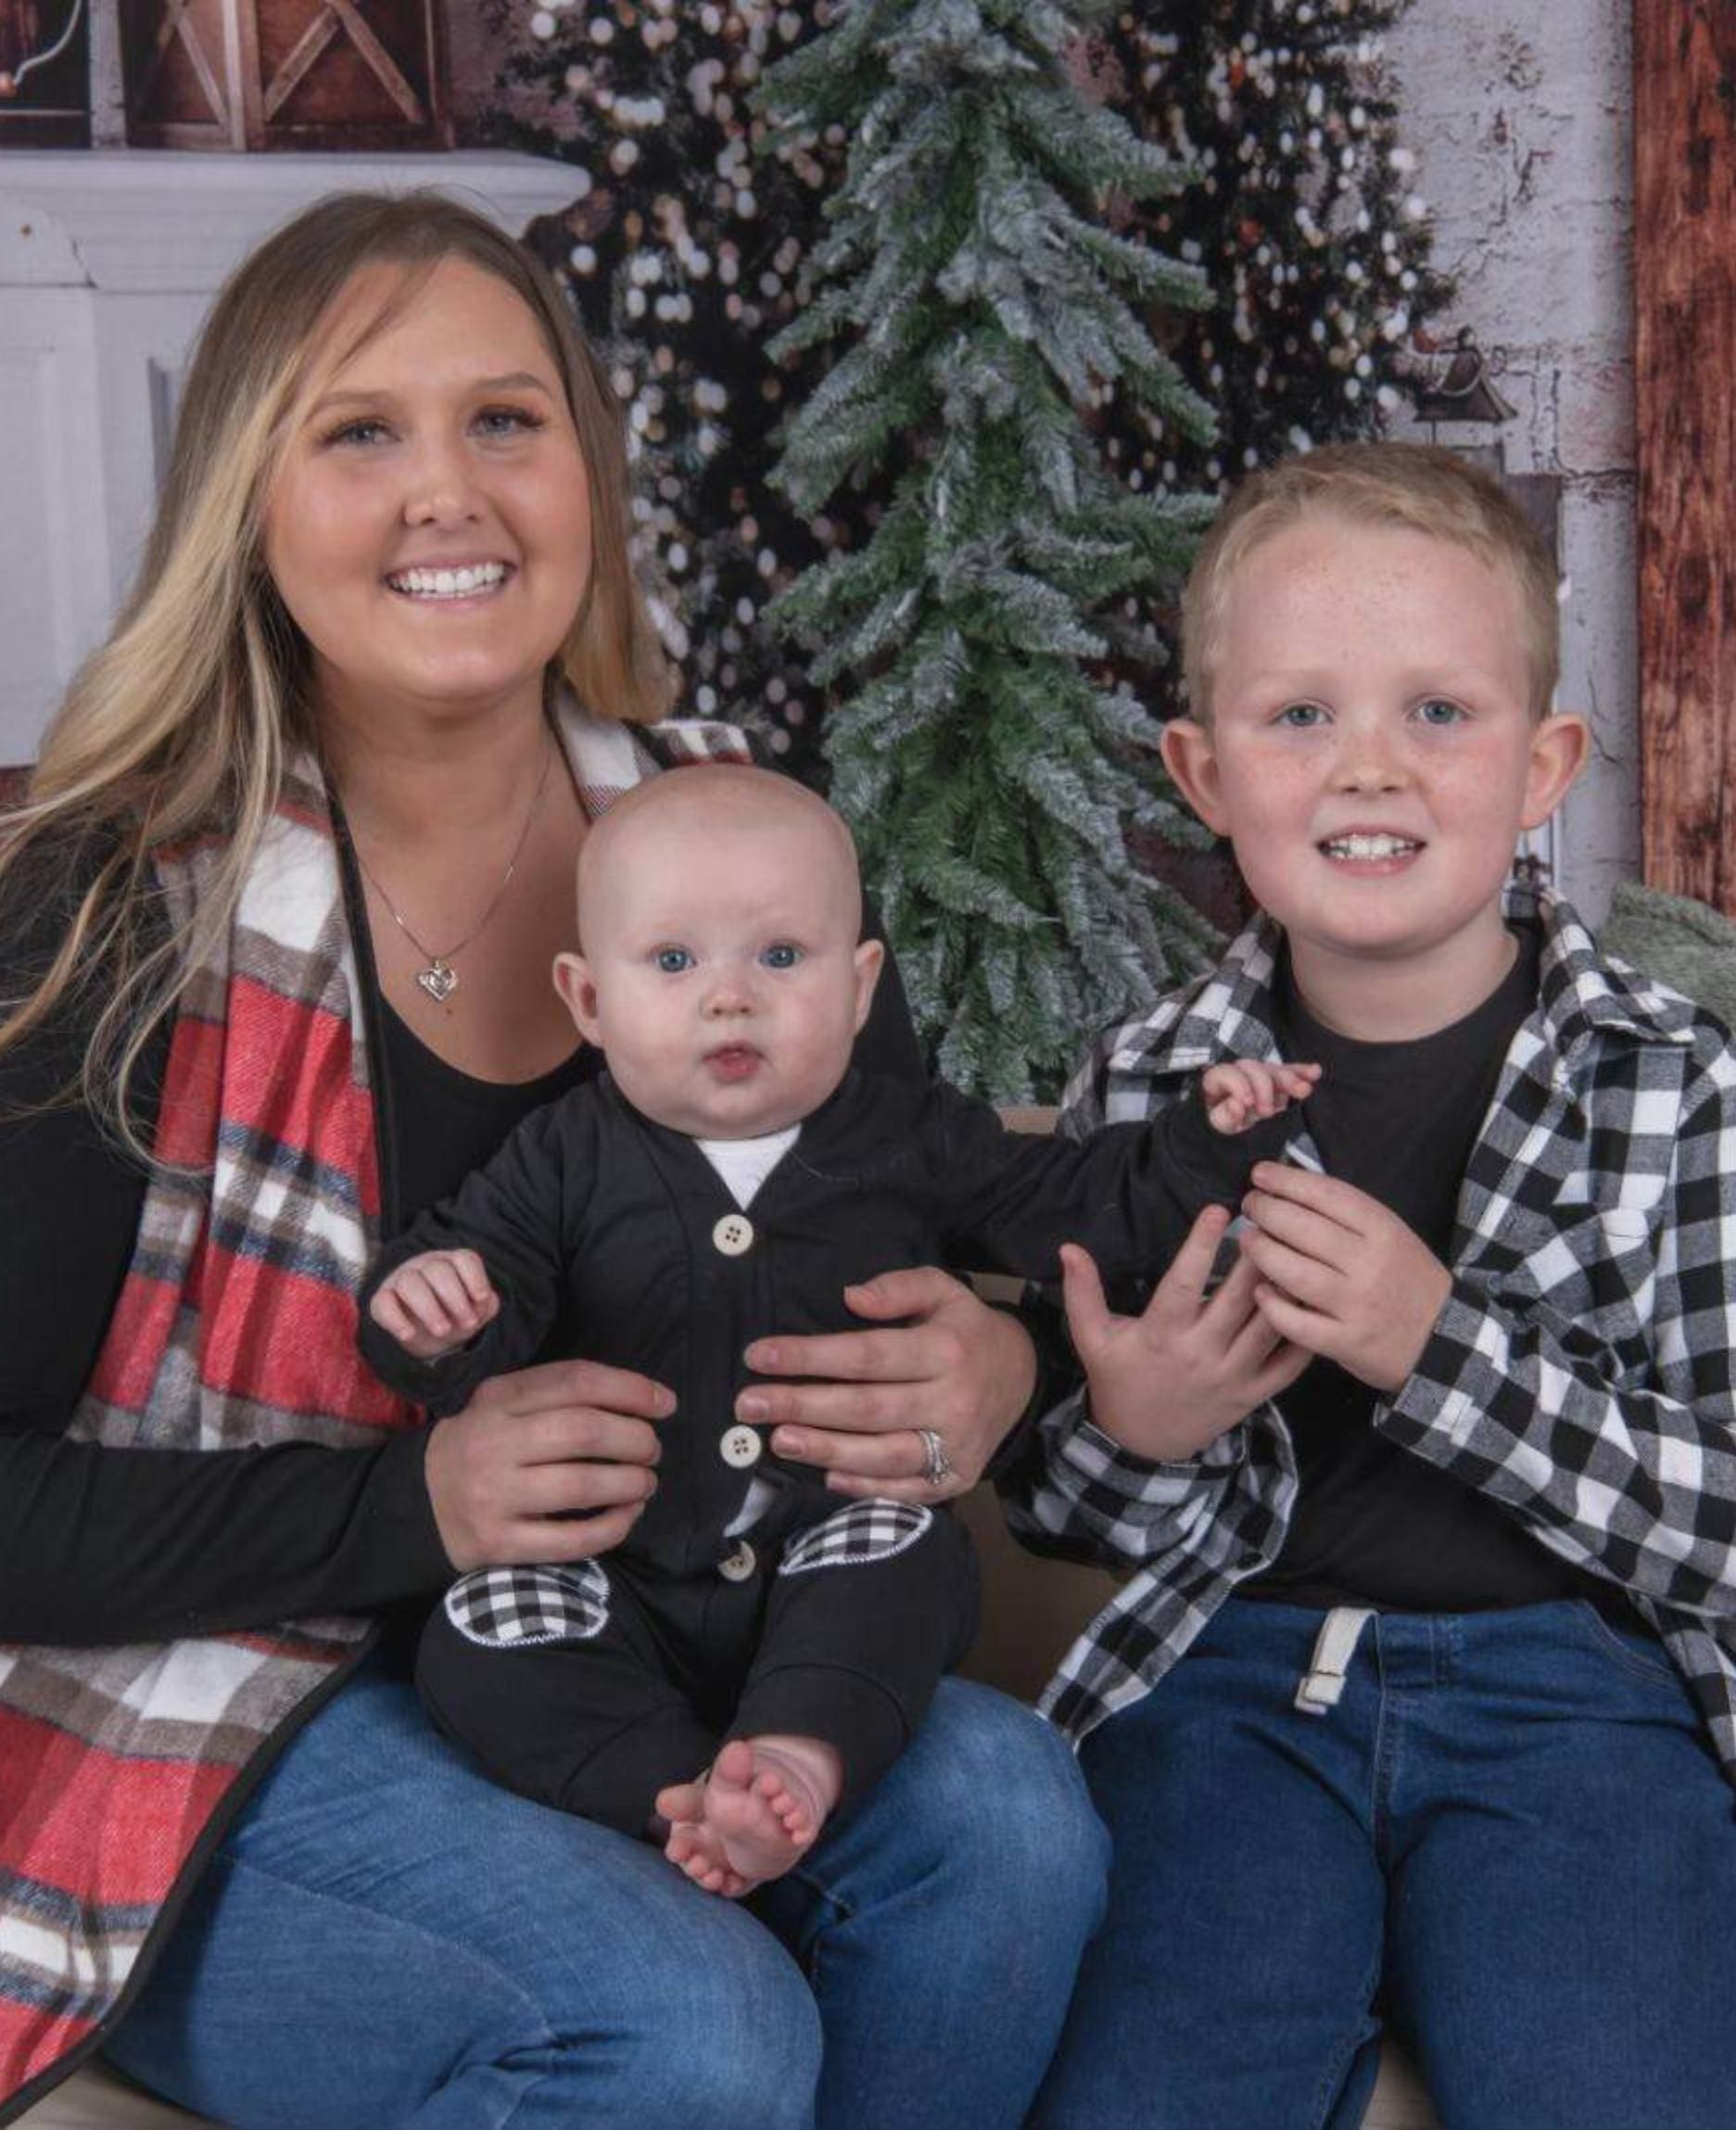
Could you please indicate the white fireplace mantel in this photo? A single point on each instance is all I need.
(109, 259)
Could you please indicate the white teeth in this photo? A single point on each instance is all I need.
(448, 583)
(1376, 847)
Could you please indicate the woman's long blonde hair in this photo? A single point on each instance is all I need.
(180, 725)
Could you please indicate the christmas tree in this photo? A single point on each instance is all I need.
(683, 251)
(980, 302)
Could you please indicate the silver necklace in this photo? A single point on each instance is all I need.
(439, 979)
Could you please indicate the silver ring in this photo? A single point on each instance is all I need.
(938, 1465)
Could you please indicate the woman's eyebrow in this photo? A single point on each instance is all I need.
(511, 380)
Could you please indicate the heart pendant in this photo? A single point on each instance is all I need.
(438, 981)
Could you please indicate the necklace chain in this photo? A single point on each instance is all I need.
(439, 979)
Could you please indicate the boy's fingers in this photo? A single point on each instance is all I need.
(1310, 1234)
(1301, 1327)
(1304, 1279)
(1088, 1318)
(1182, 1291)
(1329, 1197)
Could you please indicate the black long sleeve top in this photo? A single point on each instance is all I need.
(616, 1236)
(102, 1544)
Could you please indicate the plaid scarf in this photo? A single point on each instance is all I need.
(236, 1325)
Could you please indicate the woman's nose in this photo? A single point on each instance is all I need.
(440, 491)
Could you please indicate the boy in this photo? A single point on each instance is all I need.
(1418, 1703)
(724, 976)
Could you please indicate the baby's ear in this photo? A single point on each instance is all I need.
(577, 988)
(870, 957)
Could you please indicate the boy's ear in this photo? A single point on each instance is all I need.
(1192, 761)
(1559, 746)
(577, 988)
(871, 958)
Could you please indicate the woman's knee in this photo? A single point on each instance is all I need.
(1006, 1805)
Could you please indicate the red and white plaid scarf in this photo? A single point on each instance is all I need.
(236, 1325)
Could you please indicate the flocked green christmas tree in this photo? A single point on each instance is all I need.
(980, 302)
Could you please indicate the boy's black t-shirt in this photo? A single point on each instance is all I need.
(1374, 1525)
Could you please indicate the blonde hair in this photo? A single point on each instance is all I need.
(1418, 487)
(180, 724)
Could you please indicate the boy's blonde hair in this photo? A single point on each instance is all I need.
(1419, 487)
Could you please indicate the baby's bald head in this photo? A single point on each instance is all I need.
(689, 818)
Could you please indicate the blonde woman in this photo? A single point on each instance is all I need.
(278, 914)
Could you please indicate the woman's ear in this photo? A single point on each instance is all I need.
(871, 958)
(1559, 746)
(577, 988)
(1192, 761)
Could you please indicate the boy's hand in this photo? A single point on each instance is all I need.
(1345, 1277)
(1244, 1089)
(1170, 1381)
(434, 1304)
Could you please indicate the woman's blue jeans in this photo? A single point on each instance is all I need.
(386, 1938)
(1510, 1841)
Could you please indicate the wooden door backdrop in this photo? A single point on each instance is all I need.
(231, 75)
(1684, 347)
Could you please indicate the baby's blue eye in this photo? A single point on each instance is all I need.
(1299, 716)
(672, 960)
(785, 955)
(1438, 710)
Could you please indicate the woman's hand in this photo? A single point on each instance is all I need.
(1167, 1383)
(953, 1366)
(549, 1464)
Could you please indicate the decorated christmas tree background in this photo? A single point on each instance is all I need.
(692, 246)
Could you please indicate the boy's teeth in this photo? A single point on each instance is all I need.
(1370, 846)
(448, 583)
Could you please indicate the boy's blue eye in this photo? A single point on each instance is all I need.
(1298, 717)
(672, 960)
(1438, 710)
(785, 955)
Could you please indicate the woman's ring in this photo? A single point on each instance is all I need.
(938, 1467)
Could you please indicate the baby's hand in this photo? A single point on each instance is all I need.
(1248, 1089)
(437, 1302)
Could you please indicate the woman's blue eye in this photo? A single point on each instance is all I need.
(672, 960)
(1438, 710)
(782, 955)
(364, 429)
(508, 421)
(1298, 717)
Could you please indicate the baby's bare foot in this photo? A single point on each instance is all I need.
(765, 1802)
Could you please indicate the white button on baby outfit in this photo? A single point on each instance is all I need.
(740, 1447)
(733, 1233)
(736, 1567)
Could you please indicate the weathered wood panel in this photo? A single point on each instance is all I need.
(1685, 333)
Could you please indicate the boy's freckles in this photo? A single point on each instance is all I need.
(1373, 757)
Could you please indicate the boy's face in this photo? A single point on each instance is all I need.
(1372, 754)
(721, 973)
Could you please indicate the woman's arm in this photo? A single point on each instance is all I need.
(101, 1544)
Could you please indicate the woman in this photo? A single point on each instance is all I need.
(281, 909)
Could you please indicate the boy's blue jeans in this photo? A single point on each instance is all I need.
(387, 1939)
(1510, 1840)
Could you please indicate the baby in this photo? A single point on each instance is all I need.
(729, 1174)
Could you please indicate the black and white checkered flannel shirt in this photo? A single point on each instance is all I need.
(1581, 1372)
